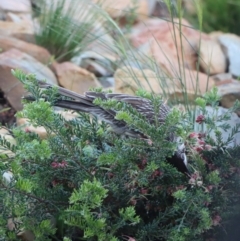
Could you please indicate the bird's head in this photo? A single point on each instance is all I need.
(179, 159)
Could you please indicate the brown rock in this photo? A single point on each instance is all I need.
(215, 35)
(100, 64)
(13, 88)
(22, 30)
(222, 78)
(129, 79)
(28, 127)
(212, 59)
(74, 78)
(40, 130)
(172, 45)
(24, 235)
(229, 91)
(118, 9)
(16, 6)
(38, 52)
(191, 84)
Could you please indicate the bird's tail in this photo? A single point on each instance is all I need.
(78, 102)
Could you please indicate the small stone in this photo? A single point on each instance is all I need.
(129, 79)
(23, 30)
(232, 43)
(38, 52)
(16, 6)
(10, 85)
(75, 78)
(212, 59)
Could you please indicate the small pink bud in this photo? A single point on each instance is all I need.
(54, 165)
(216, 220)
(63, 164)
(144, 162)
(191, 181)
(133, 201)
(157, 173)
(149, 142)
(198, 148)
(208, 147)
(201, 142)
(27, 130)
(200, 119)
(201, 135)
(54, 183)
(110, 175)
(144, 191)
(193, 135)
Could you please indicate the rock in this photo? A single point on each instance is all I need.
(107, 83)
(75, 78)
(223, 77)
(232, 43)
(22, 30)
(41, 131)
(118, 9)
(13, 88)
(170, 44)
(28, 127)
(191, 85)
(215, 35)
(38, 52)
(7, 177)
(26, 235)
(229, 91)
(129, 79)
(212, 59)
(18, 17)
(23, 6)
(175, 49)
(98, 64)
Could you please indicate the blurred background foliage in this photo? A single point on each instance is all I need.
(218, 15)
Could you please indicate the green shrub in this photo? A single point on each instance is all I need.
(96, 186)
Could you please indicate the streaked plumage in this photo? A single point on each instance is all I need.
(84, 103)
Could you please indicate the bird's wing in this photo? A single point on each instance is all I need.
(84, 103)
(143, 106)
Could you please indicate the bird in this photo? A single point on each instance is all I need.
(85, 103)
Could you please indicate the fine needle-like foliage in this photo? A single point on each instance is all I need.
(66, 28)
(84, 182)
